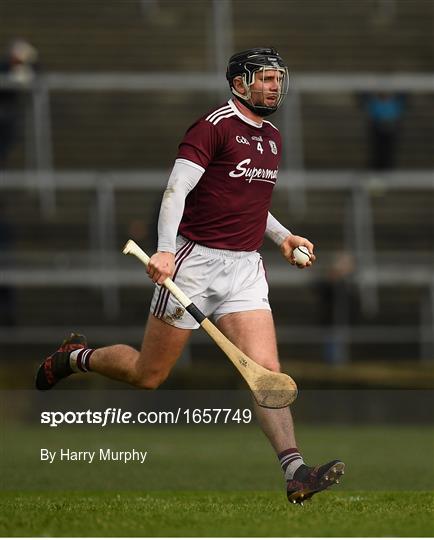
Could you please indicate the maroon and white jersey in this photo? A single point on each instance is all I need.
(228, 207)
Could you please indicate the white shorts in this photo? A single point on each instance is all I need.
(217, 281)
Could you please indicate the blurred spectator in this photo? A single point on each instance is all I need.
(7, 292)
(338, 306)
(17, 72)
(384, 112)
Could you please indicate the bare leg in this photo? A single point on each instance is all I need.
(161, 347)
(253, 332)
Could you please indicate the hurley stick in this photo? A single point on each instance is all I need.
(270, 389)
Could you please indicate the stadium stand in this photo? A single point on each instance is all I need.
(98, 135)
(125, 40)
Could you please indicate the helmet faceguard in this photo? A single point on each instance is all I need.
(251, 64)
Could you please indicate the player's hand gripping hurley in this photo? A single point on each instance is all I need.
(270, 389)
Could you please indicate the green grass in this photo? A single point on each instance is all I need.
(215, 481)
(256, 513)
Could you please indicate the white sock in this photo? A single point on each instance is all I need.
(290, 461)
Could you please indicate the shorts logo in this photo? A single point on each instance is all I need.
(178, 314)
(273, 147)
(241, 140)
(175, 316)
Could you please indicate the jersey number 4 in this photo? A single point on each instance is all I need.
(259, 148)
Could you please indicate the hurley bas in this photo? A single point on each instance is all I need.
(88, 456)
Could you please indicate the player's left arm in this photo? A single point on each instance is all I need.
(287, 241)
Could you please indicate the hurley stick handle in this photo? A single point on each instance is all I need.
(131, 248)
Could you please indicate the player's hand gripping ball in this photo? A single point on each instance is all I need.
(301, 255)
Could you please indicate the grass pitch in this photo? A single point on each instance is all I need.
(256, 513)
(216, 481)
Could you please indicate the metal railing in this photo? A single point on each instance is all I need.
(40, 143)
(294, 179)
(103, 266)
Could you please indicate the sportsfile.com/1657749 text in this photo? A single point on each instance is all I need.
(113, 416)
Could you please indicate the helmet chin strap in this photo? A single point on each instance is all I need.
(260, 110)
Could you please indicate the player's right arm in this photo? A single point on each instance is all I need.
(196, 151)
(184, 177)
